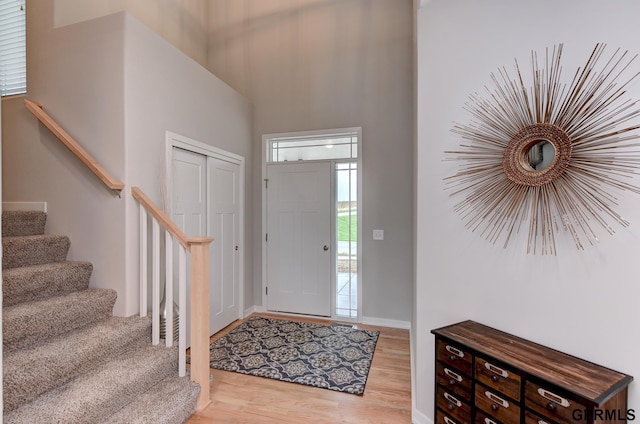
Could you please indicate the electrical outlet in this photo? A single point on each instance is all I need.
(378, 234)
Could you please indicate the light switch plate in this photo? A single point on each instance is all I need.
(378, 234)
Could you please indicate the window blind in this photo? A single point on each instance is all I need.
(13, 48)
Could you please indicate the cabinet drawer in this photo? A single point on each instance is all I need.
(454, 406)
(496, 405)
(442, 418)
(499, 378)
(549, 404)
(453, 380)
(531, 418)
(454, 356)
(482, 418)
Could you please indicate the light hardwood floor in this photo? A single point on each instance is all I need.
(238, 398)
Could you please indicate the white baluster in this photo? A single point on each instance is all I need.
(143, 262)
(155, 288)
(168, 287)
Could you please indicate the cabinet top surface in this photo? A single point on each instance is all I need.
(590, 381)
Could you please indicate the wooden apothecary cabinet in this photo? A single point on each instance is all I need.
(486, 376)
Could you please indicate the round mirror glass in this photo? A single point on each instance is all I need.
(540, 155)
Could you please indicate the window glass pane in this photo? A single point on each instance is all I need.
(346, 219)
(293, 149)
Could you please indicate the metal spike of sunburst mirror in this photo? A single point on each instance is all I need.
(548, 158)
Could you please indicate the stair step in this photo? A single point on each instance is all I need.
(66, 359)
(23, 223)
(33, 250)
(37, 282)
(28, 373)
(173, 400)
(94, 396)
(32, 323)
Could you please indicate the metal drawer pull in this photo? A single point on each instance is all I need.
(553, 397)
(453, 400)
(449, 420)
(497, 399)
(488, 421)
(496, 370)
(453, 375)
(455, 351)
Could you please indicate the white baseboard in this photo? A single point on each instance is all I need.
(383, 322)
(418, 417)
(24, 206)
(380, 322)
(253, 309)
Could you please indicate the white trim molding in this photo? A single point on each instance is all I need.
(418, 417)
(24, 206)
(383, 322)
(252, 310)
(176, 140)
(265, 161)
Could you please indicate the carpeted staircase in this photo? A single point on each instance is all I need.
(67, 359)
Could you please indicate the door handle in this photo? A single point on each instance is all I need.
(325, 247)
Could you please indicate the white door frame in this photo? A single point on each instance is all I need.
(265, 139)
(186, 143)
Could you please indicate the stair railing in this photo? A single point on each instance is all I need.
(109, 180)
(199, 249)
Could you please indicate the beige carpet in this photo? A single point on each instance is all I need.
(67, 359)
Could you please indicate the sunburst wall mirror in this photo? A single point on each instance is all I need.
(548, 157)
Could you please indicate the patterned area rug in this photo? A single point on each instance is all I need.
(335, 357)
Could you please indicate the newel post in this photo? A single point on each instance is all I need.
(199, 248)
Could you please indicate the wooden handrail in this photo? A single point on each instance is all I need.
(166, 222)
(67, 140)
(199, 248)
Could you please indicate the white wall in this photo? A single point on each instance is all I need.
(166, 91)
(580, 302)
(181, 22)
(116, 87)
(320, 64)
(310, 64)
(78, 77)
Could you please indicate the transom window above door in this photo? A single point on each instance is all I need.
(313, 147)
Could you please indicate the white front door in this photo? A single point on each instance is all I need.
(299, 238)
(224, 210)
